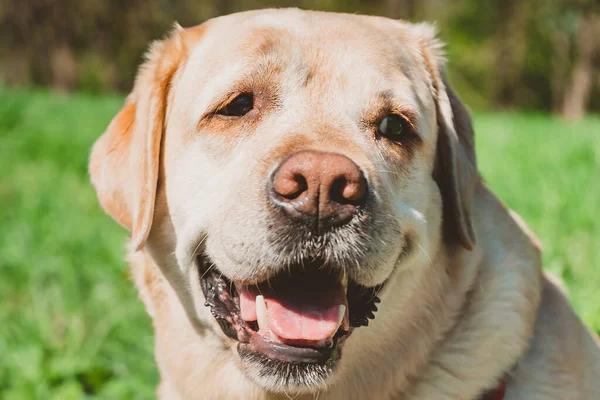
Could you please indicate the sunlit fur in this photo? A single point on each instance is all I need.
(465, 302)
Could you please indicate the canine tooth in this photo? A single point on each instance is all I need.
(345, 282)
(261, 313)
(341, 315)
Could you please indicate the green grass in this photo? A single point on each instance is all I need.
(70, 322)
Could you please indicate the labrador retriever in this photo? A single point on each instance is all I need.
(307, 221)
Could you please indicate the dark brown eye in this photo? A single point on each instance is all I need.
(393, 127)
(239, 106)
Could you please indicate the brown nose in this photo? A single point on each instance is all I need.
(318, 188)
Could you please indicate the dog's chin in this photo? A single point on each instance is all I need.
(280, 376)
(290, 329)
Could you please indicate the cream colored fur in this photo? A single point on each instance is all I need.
(458, 314)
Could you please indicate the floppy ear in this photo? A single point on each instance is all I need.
(124, 163)
(455, 168)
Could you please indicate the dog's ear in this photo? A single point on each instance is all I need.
(455, 168)
(124, 162)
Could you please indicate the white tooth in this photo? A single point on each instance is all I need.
(341, 315)
(345, 282)
(261, 313)
(345, 325)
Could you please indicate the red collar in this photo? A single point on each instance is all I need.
(497, 393)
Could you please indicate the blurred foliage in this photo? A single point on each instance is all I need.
(503, 53)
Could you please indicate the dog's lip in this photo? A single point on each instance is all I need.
(291, 354)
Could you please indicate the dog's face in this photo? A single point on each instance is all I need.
(280, 166)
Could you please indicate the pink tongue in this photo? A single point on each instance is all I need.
(306, 315)
(302, 321)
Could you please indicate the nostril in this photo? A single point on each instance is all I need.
(337, 189)
(355, 191)
(291, 186)
(344, 191)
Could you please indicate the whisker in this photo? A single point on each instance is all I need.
(389, 171)
(195, 252)
(424, 252)
(212, 265)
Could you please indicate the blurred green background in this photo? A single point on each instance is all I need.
(71, 325)
(520, 54)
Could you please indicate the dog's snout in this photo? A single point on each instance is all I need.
(319, 188)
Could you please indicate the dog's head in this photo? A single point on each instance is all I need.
(280, 166)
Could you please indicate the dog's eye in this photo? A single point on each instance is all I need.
(393, 127)
(241, 105)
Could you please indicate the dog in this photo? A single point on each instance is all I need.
(307, 221)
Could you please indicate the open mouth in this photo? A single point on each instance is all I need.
(301, 316)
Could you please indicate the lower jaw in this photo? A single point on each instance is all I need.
(285, 353)
(291, 377)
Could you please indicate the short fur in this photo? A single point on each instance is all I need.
(466, 306)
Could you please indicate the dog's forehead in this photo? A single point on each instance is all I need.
(320, 30)
(299, 45)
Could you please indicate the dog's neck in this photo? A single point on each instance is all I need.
(496, 312)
